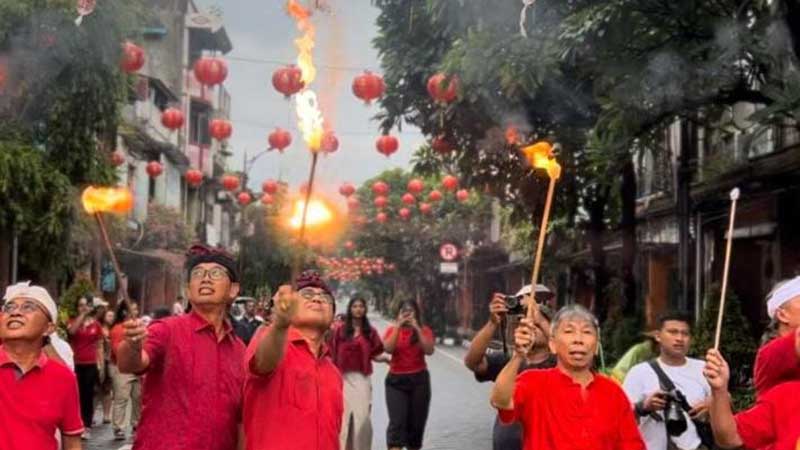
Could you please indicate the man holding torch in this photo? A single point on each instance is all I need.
(192, 393)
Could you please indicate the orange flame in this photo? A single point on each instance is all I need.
(112, 200)
(540, 156)
(308, 111)
(512, 135)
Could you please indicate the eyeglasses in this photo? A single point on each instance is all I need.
(216, 273)
(24, 308)
(308, 294)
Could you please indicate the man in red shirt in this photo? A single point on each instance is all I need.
(38, 396)
(569, 407)
(777, 360)
(193, 364)
(293, 394)
(773, 422)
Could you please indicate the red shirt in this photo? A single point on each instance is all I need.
(192, 393)
(776, 362)
(408, 357)
(115, 338)
(34, 405)
(558, 414)
(774, 421)
(84, 342)
(299, 405)
(355, 354)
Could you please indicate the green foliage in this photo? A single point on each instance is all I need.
(265, 255)
(165, 229)
(619, 332)
(68, 304)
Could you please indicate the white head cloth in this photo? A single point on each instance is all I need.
(785, 292)
(36, 293)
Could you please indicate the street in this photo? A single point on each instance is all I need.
(460, 416)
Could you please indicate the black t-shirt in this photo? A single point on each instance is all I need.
(507, 437)
(245, 328)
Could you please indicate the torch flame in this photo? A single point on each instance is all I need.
(308, 113)
(540, 156)
(113, 200)
(318, 214)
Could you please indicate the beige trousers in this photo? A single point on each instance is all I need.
(127, 388)
(356, 433)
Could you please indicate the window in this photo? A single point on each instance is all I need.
(198, 124)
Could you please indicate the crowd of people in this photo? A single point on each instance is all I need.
(293, 377)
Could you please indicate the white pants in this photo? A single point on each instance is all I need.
(127, 388)
(356, 433)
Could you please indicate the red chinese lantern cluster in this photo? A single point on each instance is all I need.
(230, 183)
(381, 202)
(368, 86)
(425, 208)
(352, 269)
(269, 187)
(210, 71)
(132, 57)
(416, 186)
(381, 217)
(194, 177)
(330, 143)
(450, 183)
(462, 195)
(117, 158)
(435, 196)
(244, 198)
(408, 199)
(441, 145)
(347, 189)
(387, 145)
(288, 80)
(154, 169)
(267, 200)
(404, 213)
(280, 139)
(380, 188)
(443, 89)
(220, 129)
(172, 118)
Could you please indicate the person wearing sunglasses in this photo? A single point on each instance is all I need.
(293, 394)
(38, 396)
(193, 363)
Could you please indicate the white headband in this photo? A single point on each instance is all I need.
(783, 294)
(36, 293)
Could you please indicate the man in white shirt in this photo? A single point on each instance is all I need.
(649, 395)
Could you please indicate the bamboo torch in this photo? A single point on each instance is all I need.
(540, 156)
(96, 201)
(726, 268)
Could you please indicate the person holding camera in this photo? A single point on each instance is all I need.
(669, 393)
(86, 339)
(487, 365)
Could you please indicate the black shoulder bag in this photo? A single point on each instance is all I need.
(703, 428)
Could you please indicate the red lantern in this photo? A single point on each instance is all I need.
(408, 199)
(210, 71)
(404, 213)
(172, 118)
(441, 145)
(450, 183)
(381, 217)
(434, 196)
(462, 195)
(349, 245)
(269, 187)
(425, 208)
(380, 188)
(347, 190)
(415, 186)
(368, 86)
(132, 57)
(117, 158)
(244, 198)
(288, 80)
(329, 142)
(154, 169)
(220, 129)
(442, 89)
(267, 200)
(194, 177)
(230, 182)
(387, 145)
(353, 204)
(280, 139)
(381, 202)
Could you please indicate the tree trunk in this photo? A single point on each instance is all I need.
(628, 229)
(793, 23)
(597, 229)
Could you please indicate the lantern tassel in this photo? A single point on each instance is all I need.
(523, 16)
(79, 21)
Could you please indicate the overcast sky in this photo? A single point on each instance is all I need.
(261, 30)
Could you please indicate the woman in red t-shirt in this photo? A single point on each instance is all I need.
(354, 345)
(408, 385)
(86, 339)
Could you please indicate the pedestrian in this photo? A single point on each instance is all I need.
(354, 345)
(127, 387)
(772, 423)
(777, 360)
(408, 384)
(247, 325)
(192, 363)
(670, 395)
(38, 396)
(105, 384)
(486, 365)
(86, 339)
(569, 407)
(293, 393)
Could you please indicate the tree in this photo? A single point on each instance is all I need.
(265, 254)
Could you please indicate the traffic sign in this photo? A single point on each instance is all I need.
(448, 267)
(448, 252)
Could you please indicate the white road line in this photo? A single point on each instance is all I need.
(458, 360)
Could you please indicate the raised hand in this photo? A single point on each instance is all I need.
(497, 308)
(716, 371)
(286, 304)
(135, 331)
(523, 337)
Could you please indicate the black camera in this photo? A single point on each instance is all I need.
(673, 412)
(514, 304)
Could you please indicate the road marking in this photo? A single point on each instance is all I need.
(458, 360)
